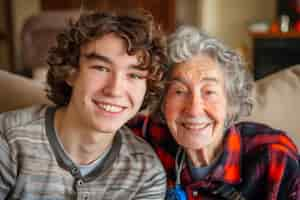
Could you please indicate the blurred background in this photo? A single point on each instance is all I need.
(245, 25)
(265, 32)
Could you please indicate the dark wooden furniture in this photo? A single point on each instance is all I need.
(162, 10)
(38, 35)
(6, 35)
(274, 51)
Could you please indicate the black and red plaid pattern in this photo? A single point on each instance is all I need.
(258, 162)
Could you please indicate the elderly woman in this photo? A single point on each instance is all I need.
(205, 152)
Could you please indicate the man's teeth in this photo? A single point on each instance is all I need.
(110, 108)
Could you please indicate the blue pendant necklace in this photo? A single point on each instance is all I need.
(177, 192)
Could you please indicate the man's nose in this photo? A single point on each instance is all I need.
(115, 85)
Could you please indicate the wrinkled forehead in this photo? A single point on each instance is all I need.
(197, 68)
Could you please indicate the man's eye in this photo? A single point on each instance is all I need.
(101, 68)
(136, 76)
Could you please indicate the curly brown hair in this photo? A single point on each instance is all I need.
(136, 27)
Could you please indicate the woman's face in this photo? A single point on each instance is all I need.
(195, 104)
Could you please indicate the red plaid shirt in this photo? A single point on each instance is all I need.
(257, 163)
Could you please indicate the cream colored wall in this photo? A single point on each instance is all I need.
(187, 12)
(228, 19)
(225, 19)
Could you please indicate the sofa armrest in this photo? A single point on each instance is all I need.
(18, 92)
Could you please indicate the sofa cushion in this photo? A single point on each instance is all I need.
(18, 92)
(277, 101)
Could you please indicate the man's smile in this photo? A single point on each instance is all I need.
(112, 108)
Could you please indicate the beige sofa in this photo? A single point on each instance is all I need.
(277, 98)
(277, 101)
(17, 92)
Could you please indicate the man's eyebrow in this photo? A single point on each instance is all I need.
(105, 59)
(138, 67)
(97, 56)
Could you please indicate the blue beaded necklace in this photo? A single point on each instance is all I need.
(177, 192)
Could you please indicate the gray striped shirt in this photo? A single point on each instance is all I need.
(33, 165)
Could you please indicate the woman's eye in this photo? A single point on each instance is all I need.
(210, 93)
(177, 89)
(179, 92)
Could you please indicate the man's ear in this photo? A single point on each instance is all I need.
(71, 78)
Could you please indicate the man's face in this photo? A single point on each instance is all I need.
(195, 103)
(108, 88)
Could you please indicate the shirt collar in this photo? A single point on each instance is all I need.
(228, 169)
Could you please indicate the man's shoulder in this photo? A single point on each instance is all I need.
(21, 118)
(136, 147)
(134, 143)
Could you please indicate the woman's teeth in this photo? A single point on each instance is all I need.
(195, 126)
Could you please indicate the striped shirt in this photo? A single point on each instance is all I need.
(33, 166)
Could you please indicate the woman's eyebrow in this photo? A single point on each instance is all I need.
(205, 79)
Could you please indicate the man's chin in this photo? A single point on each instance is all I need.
(107, 129)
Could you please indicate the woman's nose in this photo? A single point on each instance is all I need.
(195, 106)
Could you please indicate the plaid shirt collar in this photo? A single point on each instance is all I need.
(239, 140)
(229, 168)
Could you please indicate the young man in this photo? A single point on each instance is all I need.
(102, 68)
